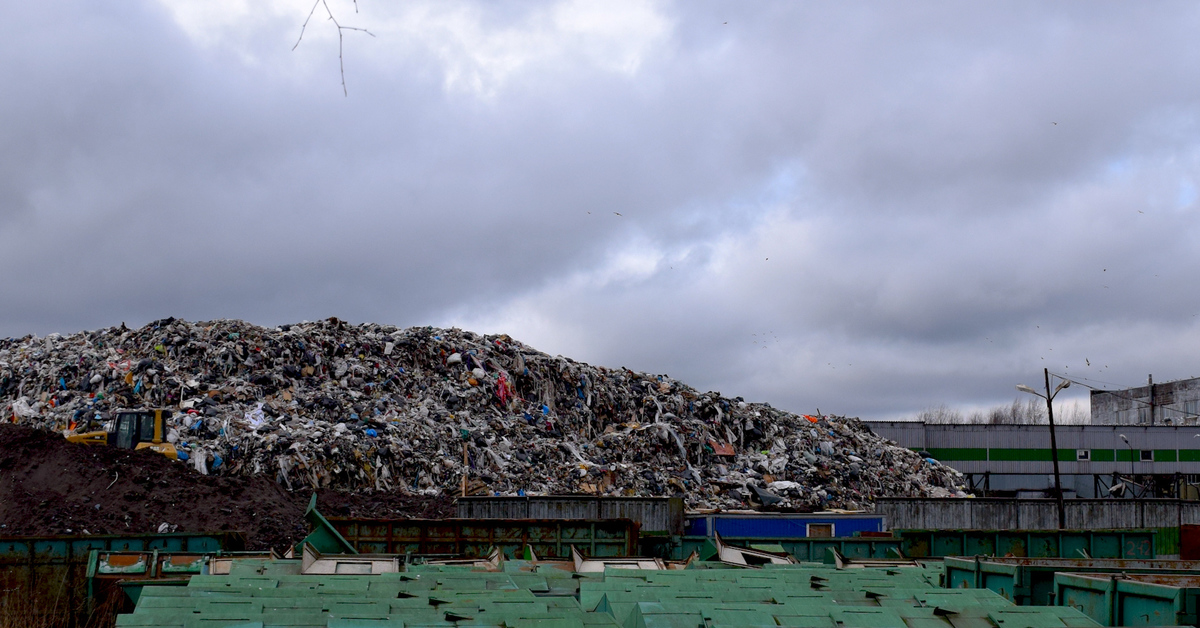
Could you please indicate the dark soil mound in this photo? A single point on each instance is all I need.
(50, 486)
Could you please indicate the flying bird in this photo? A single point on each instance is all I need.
(618, 213)
(1089, 362)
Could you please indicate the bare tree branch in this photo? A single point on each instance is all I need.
(340, 28)
(305, 24)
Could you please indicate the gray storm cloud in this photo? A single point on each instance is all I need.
(866, 209)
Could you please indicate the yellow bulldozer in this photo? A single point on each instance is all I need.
(133, 429)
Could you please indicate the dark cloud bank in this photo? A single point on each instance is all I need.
(864, 209)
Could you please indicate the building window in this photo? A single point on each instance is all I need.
(1147, 455)
(1143, 414)
(820, 530)
(1083, 454)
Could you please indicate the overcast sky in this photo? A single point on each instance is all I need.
(866, 208)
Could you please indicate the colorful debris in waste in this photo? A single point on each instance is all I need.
(365, 407)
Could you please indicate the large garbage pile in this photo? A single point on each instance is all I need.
(51, 486)
(332, 405)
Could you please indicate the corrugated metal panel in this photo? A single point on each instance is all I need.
(998, 516)
(553, 507)
(1034, 514)
(1039, 515)
(907, 433)
(924, 436)
(959, 436)
(654, 514)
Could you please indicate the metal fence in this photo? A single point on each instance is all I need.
(1035, 514)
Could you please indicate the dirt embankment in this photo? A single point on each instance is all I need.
(50, 486)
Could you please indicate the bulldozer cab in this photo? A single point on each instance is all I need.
(142, 426)
(132, 429)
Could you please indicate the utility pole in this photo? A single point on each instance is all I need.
(1058, 493)
(1049, 397)
(1150, 377)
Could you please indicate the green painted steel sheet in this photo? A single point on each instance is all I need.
(47, 576)
(796, 595)
(810, 549)
(1155, 599)
(1032, 581)
(1131, 544)
(1167, 541)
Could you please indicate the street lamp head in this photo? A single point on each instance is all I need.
(1126, 439)
(1066, 383)
(1026, 389)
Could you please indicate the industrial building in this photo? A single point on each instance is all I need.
(1094, 460)
(1168, 403)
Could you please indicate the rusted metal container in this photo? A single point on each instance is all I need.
(1189, 542)
(654, 515)
(472, 538)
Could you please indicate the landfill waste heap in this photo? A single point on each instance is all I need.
(373, 407)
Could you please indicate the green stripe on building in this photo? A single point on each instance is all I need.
(1024, 455)
(979, 454)
(959, 453)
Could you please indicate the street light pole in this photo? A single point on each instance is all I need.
(1049, 397)
(1062, 516)
(1131, 456)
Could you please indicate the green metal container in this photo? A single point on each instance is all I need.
(1030, 581)
(1132, 544)
(810, 549)
(1132, 599)
(46, 576)
(532, 596)
(472, 538)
